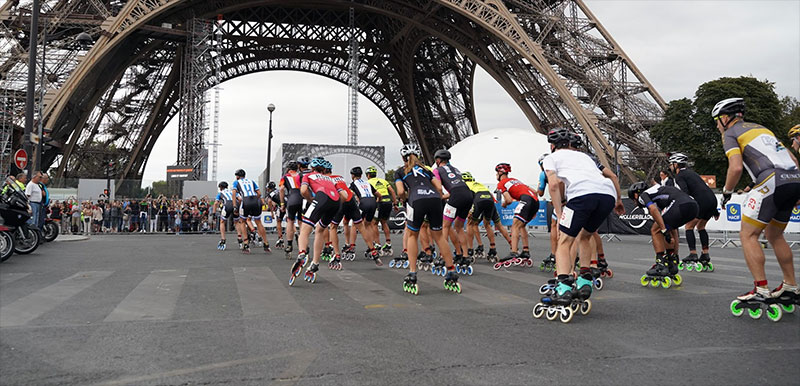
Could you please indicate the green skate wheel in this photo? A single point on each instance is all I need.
(690, 267)
(789, 308)
(678, 279)
(755, 314)
(681, 266)
(774, 313)
(644, 280)
(736, 307)
(586, 306)
(710, 267)
(541, 267)
(458, 288)
(666, 283)
(566, 315)
(654, 283)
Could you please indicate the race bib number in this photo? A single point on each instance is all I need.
(224, 213)
(752, 206)
(566, 217)
(310, 209)
(449, 211)
(409, 213)
(519, 207)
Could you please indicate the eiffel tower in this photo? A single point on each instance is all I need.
(149, 61)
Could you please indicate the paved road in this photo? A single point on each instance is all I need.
(172, 310)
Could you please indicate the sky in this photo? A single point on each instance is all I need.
(678, 45)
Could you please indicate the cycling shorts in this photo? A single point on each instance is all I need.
(384, 210)
(251, 207)
(772, 201)
(707, 207)
(368, 208)
(348, 211)
(293, 211)
(321, 211)
(526, 208)
(585, 212)
(458, 205)
(226, 214)
(423, 209)
(484, 210)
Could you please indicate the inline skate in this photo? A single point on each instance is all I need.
(558, 304)
(663, 273)
(386, 250)
(464, 265)
(479, 252)
(246, 248)
(507, 261)
(548, 264)
(424, 261)
(298, 266)
(336, 263)
(524, 259)
(349, 252)
(327, 253)
(756, 302)
(451, 282)
(492, 255)
(547, 289)
(703, 264)
(221, 245)
(375, 256)
(279, 243)
(786, 296)
(596, 273)
(311, 273)
(267, 248)
(438, 267)
(688, 262)
(288, 251)
(400, 261)
(602, 265)
(241, 244)
(410, 283)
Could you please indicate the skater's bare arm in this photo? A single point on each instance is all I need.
(400, 189)
(734, 172)
(555, 191)
(619, 208)
(391, 193)
(305, 191)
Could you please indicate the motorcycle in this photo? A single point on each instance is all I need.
(50, 229)
(6, 243)
(15, 212)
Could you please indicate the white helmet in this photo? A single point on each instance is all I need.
(678, 158)
(409, 149)
(728, 106)
(541, 159)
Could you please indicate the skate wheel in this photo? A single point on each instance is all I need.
(391, 264)
(551, 314)
(644, 280)
(666, 283)
(458, 269)
(598, 283)
(291, 280)
(543, 289)
(755, 314)
(678, 279)
(507, 263)
(470, 270)
(690, 267)
(538, 310)
(788, 308)
(574, 306)
(497, 266)
(654, 283)
(586, 307)
(566, 315)
(736, 307)
(774, 313)
(405, 264)
(541, 267)
(529, 263)
(610, 273)
(681, 266)
(710, 267)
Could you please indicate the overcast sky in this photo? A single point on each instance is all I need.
(678, 45)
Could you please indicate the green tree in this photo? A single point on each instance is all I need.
(159, 188)
(689, 128)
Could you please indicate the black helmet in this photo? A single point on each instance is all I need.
(442, 154)
(356, 171)
(636, 188)
(271, 185)
(223, 185)
(304, 161)
(239, 173)
(559, 137)
(575, 140)
(293, 165)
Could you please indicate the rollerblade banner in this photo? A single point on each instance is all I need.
(636, 220)
(507, 214)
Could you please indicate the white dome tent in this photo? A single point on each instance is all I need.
(478, 154)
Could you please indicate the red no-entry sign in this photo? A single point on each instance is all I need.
(21, 159)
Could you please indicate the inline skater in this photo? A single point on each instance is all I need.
(424, 202)
(767, 208)
(483, 209)
(251, 202)
(350, 212)
(292, 201)
(515, 190)
(367, 197)
(322, 208)
(387, 201)
(592, 196)
(459, 201)
(549, 263)
(670, 208)
(225, 200)
(688, 181)
(274, 206)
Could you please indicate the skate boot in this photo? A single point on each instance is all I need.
(658, 274)
(424, 261)
(386, 250)
(327, 253)
(311, 273)
(221, 245)
(602, 265)
(410, 283)
(479, 252)
(492, 255)
(279, 243)
(288, 250)
(547, 289)
(246, 248)
(672, 263)
(756, 302)
(548, 264)
(688, 262)
(464, 265)
(525, 259)
(438, 267)
(558, 304)
(596, 275)
(267, 249)
(787, 296)
(704, 263)
(451, 282)
(580, 300)
(506, 261)
(297, 267)
(376, 257)
(336, 263)
(239, 240)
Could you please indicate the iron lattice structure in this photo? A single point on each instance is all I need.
(416, 63)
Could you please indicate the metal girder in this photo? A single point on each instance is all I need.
(292, 151)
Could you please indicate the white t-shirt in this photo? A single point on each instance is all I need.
(34, 192)
(579, 173)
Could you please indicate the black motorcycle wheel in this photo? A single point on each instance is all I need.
(26, 240)
(6, 245)
(50, 231)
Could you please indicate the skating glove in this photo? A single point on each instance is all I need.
(725, 198)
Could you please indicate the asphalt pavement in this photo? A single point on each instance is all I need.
(173, 310)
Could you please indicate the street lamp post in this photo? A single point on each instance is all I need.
(270, 108)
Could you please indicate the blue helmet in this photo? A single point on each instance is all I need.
(327, 164)
(317, 161)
